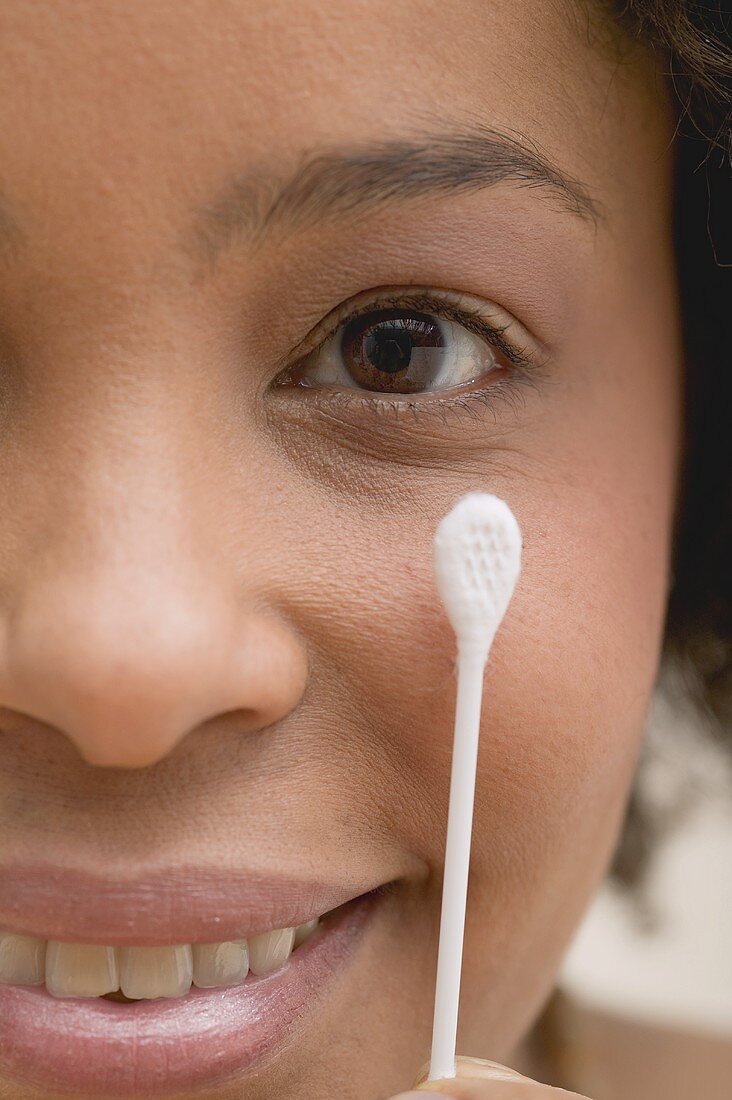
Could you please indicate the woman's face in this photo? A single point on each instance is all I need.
(278, 284)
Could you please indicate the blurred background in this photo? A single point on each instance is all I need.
(644, 1007)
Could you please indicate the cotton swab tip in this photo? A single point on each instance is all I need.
(477, 564)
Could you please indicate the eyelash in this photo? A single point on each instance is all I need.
(524, 371)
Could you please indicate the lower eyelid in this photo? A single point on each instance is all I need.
(362, 410)
(338, 437)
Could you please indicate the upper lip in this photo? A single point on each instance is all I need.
(181, 905)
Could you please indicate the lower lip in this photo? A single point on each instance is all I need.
(155, 1048)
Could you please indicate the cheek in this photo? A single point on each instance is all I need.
(573, 667)
(589, 468)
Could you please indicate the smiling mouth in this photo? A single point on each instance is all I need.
(129, 974)
(149, 1016)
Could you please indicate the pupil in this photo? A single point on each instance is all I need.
(389, 349)
(393, 350)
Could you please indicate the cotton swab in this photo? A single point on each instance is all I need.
(477, 564)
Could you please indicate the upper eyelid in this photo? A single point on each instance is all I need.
(426, 299)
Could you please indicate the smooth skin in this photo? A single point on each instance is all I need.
(221, 643)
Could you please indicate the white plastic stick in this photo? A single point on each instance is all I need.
(457, 861)
(477, 563)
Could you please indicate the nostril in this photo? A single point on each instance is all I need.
(126, 682)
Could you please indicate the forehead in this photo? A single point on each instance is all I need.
(169, 85)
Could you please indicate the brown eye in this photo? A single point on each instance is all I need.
(393, 351)
(397, 351)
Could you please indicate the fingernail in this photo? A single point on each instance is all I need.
(420, 1095)
(434, 1088)
(472, 1068)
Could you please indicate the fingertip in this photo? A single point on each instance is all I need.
(467, 1069)
(420, 1095)
(480, 1067)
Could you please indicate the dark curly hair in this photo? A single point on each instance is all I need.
(694, 41)
(698, 37)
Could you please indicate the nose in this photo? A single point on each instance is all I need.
(126, 672)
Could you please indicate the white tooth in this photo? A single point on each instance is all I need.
(149, 972)
(270, 950)
(22, 960)
(216, 964)
(304, 931)
(80, 969)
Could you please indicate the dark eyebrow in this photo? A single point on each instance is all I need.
(338, 182)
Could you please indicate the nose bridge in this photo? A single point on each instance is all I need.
(116, 524)
(128, 627)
